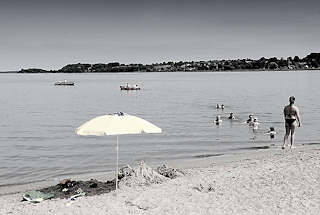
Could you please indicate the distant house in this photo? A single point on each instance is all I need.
(291, 67)
(303, 65)
(162, 68)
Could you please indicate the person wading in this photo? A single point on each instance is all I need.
(291, 117)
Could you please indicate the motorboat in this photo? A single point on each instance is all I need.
(136, 87)
(64, 83)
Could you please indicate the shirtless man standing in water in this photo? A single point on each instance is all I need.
(291, 115)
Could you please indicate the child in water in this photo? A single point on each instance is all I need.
(250, 119)
(255, 124)
(272, 132)
(231, 116)
(218, 120)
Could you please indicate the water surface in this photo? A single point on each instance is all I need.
(38, 119)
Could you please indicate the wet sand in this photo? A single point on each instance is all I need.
(265, 181)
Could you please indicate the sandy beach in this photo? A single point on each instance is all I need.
(270, 181)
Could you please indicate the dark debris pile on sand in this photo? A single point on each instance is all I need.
(144, 174)
(68, 188)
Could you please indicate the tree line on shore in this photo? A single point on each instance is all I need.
(311, 61)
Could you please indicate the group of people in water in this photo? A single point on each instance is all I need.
(251, 121)
(291, 116)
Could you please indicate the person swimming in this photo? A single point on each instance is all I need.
(218, 120)
(272, 132)
(231, 116)
(255, 124)
(250, 119)
(222, 106)
(218, 106)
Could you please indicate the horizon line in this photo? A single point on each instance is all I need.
(226, 59)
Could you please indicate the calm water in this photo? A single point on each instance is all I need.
(38, 119)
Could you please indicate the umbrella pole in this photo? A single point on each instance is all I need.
(117, 149)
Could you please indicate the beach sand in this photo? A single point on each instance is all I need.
(271, 181)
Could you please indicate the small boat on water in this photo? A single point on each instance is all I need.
(64, 83)
(127, 87)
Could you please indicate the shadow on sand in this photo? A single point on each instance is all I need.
(207, 155)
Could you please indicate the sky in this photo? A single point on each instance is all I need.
(50, 34)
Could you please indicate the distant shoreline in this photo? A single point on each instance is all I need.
(200, 71)
(6, 72)
(310, 62)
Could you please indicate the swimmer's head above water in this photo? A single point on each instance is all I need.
(292, 99)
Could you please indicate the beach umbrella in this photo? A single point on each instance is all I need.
(116, 124)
